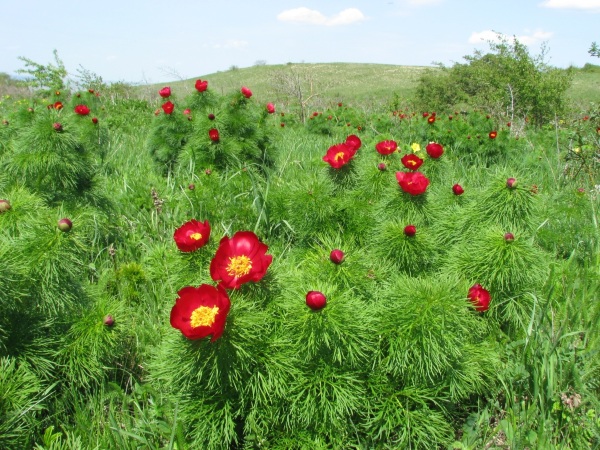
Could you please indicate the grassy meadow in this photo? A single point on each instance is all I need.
(231, 276)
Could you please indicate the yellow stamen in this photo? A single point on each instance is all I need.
(196, 236)
(203, 316)
(239, 266)
(339, 155)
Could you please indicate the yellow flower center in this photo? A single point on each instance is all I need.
(412, 163)
(196, 236)
(239, 266)
(204, 316)
(339, 155)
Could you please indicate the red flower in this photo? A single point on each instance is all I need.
(434, 150)
(386, 147)
(168, 107)
(336, 256)
(493, 134)
(354, 142)
(202, 311)
(425, 114)
(410, 230)
(411, 161)
(201, 86)
(165, 92)
(479, 297)
(240, 259)
(413, 183)
(458, 189)
(431, 119)
(192, 235)
(315, 300)
(82, 110)
(213, 134)
(246, 92)
(339, 155)
(270, 108)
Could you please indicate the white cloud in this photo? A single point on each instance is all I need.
(588, 5)
(305, 15)
(478, 37)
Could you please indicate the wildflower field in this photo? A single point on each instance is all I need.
(211, 271)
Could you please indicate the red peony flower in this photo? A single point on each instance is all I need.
(165, 92)
(213, 134)
(82, 110)
(201, 86)
(434, 150)
(246, 92)
(168, 107)
(192, 235)
(431, 119)
(411, 161)
(240, 259)
(339, 155)
(202, 311)
(354, 142)
(386, 147)
(270, 108)
(315, 300)
(413, 183)
(458, 189)
(479, 297)
(336, 256)
(493, 134)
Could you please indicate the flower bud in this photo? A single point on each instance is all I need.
(94, 120)
(4, 206)
(381, 166)
(108, 320)
(410, 230)
(65, 225)
(336, 256)
(509, 237)
(57, 127)
(208, 171)
(458, 189)
(211, 116)
(511, 183)
(315, 300)
(191, 186)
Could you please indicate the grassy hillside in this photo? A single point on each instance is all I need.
(364, 84)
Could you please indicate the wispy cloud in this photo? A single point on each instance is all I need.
(587, 5)
(478, 37)
(314, 17)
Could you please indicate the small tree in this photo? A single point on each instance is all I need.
(594, 50)
(298, 85)
(44, 79)
(508, 78)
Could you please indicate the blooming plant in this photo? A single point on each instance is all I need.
(240, 259)
(201, 311)
(165, 92)
(413, 183)
(201, 85)
(246, 92)
(434, 150)
(168, 107)
(213, 134)
(192, 235)
(386, 147)
(480, 297)
(339, 155)
(82, 110)
(411, 161)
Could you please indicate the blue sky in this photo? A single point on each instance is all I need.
(155, 41)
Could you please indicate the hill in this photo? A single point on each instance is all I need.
(366, 84)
